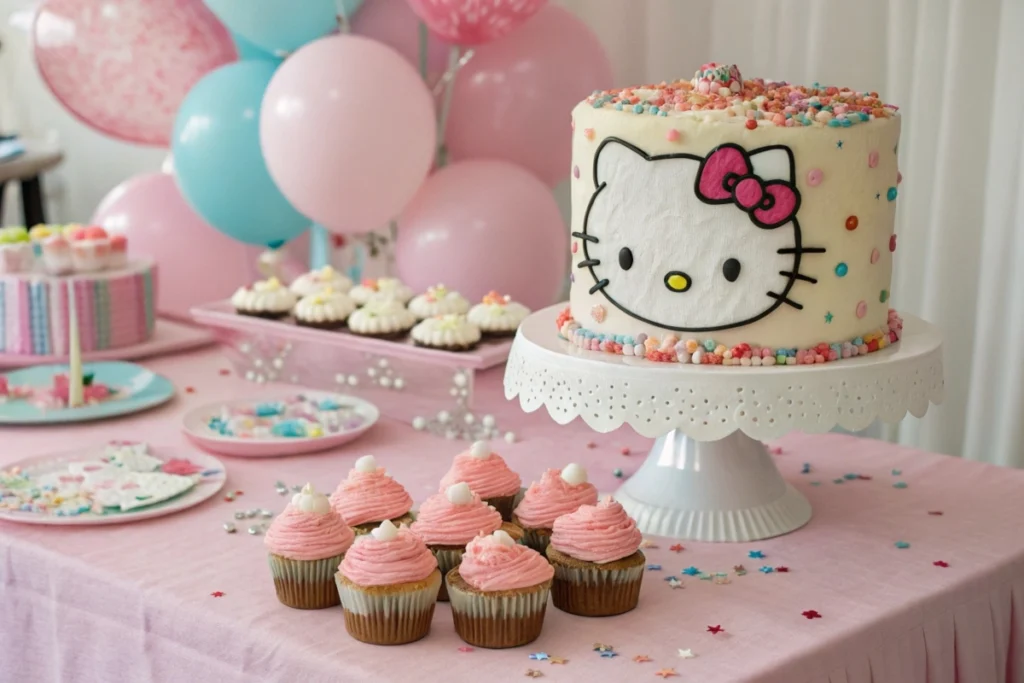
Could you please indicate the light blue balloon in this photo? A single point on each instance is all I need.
(249, 50)
(218, 161)
(281, 25)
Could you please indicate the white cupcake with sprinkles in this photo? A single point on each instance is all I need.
(388, 318)
(448, 332)
(319, 279)
(438, 300)
(497, 315)
(264, 299)
(324, 310)
(381, 288)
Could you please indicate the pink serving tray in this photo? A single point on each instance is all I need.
(168, 337)
(222, 315)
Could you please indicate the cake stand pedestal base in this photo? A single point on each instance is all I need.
(724, 490)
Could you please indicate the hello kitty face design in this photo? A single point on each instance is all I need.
(718, 244)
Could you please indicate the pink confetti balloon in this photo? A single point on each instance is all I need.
(474, 22)
(123, 66)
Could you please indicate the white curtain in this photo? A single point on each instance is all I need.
(955, 67)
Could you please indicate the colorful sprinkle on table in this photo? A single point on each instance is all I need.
(677, 548)
(654, 567)
(666, 673)
(806, 469)
(941, 563)
(900, 485)
(716, 629)
(782, 570)
(691, 571)
(687, 653)
(465, 648)
(674, 583)
(601, 647)
(217, 594)
(935, 513)
(533, 673)
(557, 660)
(617, 473)
(902, 545)
(539, 656)
(608, 654)
(766, 570)
(811, 614)
(897, 473)
(625, 450)
(740, 570)
(641, 659)
(755, 555)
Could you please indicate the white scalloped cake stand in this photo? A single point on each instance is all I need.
(708, 476)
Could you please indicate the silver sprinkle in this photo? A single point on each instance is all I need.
(251, 513)
(255, 530)
(240, 514)
(266, 514)
(297, 488)
(229, 527)
(282, 491)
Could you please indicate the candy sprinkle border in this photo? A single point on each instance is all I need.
(672, 349)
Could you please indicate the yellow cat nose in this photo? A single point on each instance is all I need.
(678, 281)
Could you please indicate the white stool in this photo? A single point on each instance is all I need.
(27, 169)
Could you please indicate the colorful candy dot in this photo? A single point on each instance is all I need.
(814, 177)
(751, 124)
(891, 194)
(873, 158)
(842, 270)
(852, 223)
(575, 247)
(575, 171)
(884, 296)
(588, 133)
(875, 255)
(892, 243)
(862, 309)
(673, 135)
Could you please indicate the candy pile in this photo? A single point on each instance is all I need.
(671, 349)
(721, 88)
(297, 417)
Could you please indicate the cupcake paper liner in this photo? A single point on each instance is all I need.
(497, 620)
(389, 615)
(305, 584)
(592, 590)
(448, 558)
(537, 539)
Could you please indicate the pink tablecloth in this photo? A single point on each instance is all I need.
(133, 603)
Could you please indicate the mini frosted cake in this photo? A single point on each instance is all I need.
(497, 315)
(16, 252)
(369, 496)
(90, 248)
(381, 288)
(438, 300)
(315, 281)
(324, 309)
(449, 332)
(381, 318)
(559, 492)
(265, 299)
(448, 521)
(734, 222)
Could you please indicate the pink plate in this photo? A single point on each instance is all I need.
(168, 337)
(195, 427)
(209, 470)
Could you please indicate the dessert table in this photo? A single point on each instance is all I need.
(911, 571)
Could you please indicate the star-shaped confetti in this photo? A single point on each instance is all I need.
(850, 476)
(674, 583)
(811, 614)
(217, 594)
(902, 545)
(897, 473)
(704, 576)
(839, 144)
(677, 548)
(465, 648)
(687, 654)
(878, 195)
(941, 563)
(666, 673)
(721, 580)
(716, 629)
(648, 543)
(608, 654)
(539, 656)
(766, 569)
(828, 317)
(557, 660)
(601, 647)
(840, 480)
(654, 567)
(806, 469)
(740, 570)
(691, 571)
(533, 673)
(640, 659)
(900, 485)
(755, 554)
(783, 569)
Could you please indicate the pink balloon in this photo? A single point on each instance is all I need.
(123, 66)
(476, 22)
(348, 132)
(512, 100)
(197, 263)
(394, 24)
(482, 225)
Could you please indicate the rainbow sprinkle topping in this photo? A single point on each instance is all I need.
(720, 89)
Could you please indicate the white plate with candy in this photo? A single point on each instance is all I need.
(293, 424)
(113, 484)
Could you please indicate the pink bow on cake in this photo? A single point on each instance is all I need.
(727, 175)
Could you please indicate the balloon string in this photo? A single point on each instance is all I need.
(343, 23)
(446, 105)
(424, 37)
(449, 75)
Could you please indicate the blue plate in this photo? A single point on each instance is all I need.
(145, 390)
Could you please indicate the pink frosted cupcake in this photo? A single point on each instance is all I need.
(369, 496)
(499, 592)
(597, 561)
(448, 521)
(388, 584)
(118, 252)
(487, 475)
(57, 255)
(306, 543)
(90, 248)
(558, 493)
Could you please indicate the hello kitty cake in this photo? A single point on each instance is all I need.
(734, 222)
